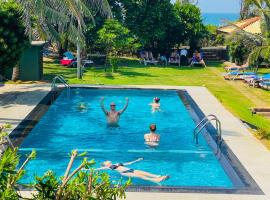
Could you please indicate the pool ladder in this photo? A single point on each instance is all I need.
(62, 80)
(203, 123)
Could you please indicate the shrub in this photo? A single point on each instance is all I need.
(12, 38)
(240, 46)
(116, 39)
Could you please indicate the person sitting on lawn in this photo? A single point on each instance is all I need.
(184, 56)
(197, 59)
(174, 58)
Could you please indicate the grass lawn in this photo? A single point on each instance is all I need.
(236, 96)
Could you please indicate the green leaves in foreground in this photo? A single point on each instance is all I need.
(10, 175)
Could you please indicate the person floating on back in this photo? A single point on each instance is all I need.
(155, 104)
(152, 139)
(113, 115)
(125, 171)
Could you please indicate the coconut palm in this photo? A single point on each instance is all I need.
(49, 18)
(262, 48)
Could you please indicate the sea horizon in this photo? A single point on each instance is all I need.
(219, 19)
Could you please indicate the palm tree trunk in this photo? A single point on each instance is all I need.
(79, 67)
(15, 73)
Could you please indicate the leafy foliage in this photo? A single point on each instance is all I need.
(153, 22)
(50, 18)
(193, 29)
(117, 39)
(12, 38)
(160, 25)
(260, 51)
(10, 175)
(238, 49)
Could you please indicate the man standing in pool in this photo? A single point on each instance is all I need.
(113, 115)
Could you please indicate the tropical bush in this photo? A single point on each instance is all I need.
(241, 45)
(10, 174)
(117, 40)
(192, 26)
(12, 38)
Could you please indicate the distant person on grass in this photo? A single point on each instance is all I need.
(125, 171)
(113, 115)
(197, 59)
(152, 139)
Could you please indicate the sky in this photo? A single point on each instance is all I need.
(219, 6)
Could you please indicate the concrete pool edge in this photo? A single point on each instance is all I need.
(251, 165)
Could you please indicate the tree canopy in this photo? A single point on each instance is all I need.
(12, 38)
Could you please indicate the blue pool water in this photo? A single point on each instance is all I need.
(64, 127)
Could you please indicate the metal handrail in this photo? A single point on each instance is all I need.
(204, 122)
(62, 80)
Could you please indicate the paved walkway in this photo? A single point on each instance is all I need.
(19, 100)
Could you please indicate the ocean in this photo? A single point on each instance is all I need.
(219, 19)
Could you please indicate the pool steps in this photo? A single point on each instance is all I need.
(203, 123)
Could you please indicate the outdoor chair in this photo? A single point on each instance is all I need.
(256, 80)
(175, 58)
(234, 67)
(146, 57)
(265, 85)
(260, 111)
(238, 75)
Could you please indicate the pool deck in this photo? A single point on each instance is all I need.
(17, 101)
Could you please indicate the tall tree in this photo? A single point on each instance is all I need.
(12, 43)
(262, 50)
(152, 21)
(50, 18)
(247, 9)
(189, 17)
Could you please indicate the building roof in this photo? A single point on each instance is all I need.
(251, 25)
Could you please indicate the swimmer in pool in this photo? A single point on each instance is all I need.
(155, 104)
(113, 115)
(152, 139)
(125, 171)
(82, 106)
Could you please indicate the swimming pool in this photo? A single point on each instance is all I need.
(65, 127)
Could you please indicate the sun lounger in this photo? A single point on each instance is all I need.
(238, 75)
(237, 68)
(256, 80)
(261, 111)
(265, 85)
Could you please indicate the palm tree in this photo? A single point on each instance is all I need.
(262, 41)
(263, 51)
(49, 18)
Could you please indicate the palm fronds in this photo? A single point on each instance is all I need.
(50, 18)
